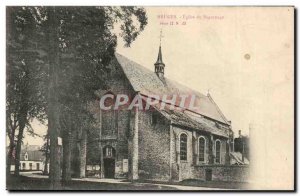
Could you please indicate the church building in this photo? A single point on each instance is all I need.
(155, 144)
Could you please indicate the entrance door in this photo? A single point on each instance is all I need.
(109, 161)
(109, 168)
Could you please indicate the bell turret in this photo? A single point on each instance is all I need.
(159, 65)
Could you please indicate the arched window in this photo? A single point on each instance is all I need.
(108, 152)
(183, 147)
(218, 151)
(201, 149)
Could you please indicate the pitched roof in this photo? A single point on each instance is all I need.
(147, 83)
(34, 155)
(187, 120)
(31, 147)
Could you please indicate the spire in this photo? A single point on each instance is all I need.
(159, 65)
(159, 57)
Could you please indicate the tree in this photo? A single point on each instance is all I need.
(87, 45)
(77, 44)
(24, 99)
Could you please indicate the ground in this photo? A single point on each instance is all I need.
(36, 181)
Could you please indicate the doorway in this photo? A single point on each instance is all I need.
(109, 167)
(109, 161)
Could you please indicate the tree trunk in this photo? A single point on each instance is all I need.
(10, 151)
(82, 154)
(53, 104)
(67, 152)
(22, 123)
(45, 172)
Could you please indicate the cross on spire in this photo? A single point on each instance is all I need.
(159, 65)
(160, 36)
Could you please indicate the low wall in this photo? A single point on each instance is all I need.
(233, 173)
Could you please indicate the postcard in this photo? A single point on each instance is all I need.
(150, 98)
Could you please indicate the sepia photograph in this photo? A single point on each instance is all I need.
(141, 98)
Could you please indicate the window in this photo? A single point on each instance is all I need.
(108, 152)
(26, 156)
(218, 153)
(23, 166)
(37, 166)
(183, 147)
(30, 166)
(201, 149)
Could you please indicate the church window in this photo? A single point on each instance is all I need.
(218, 151)
(183, 147)
(108, 152)
(201, 149)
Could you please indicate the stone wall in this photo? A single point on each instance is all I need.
(154, 146)
(232, 173)
(119, 137)
(182, 170)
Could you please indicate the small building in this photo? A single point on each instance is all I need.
(32, 161)
(31, 158)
